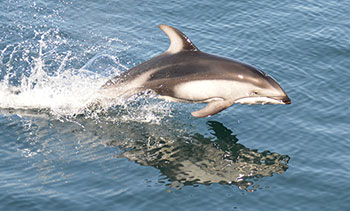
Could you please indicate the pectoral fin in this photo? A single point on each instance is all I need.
(212, 108)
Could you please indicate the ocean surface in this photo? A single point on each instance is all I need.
(58, 153)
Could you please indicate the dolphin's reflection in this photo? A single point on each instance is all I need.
(203, 160)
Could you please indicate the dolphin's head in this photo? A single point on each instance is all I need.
(263, 89)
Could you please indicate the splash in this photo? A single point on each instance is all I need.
(36, 76)
(61, 91)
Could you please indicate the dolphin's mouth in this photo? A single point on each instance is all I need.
(286, 100)
(264, 100)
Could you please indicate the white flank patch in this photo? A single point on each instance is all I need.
(208, 89)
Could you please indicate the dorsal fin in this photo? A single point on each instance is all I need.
(178, 40)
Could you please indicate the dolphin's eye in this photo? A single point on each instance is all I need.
(255, 92)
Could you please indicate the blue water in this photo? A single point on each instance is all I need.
(148, 154)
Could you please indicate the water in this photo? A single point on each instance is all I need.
(147, 154)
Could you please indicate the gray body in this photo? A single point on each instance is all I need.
(184, 73)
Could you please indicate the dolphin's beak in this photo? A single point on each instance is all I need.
(287, 100)
(283, 99)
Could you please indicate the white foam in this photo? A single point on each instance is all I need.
(65, 91)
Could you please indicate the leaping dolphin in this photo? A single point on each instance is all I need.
(183, 73)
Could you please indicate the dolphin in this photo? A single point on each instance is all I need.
(183, 73)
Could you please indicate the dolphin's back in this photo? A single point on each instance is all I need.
(199, 65)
